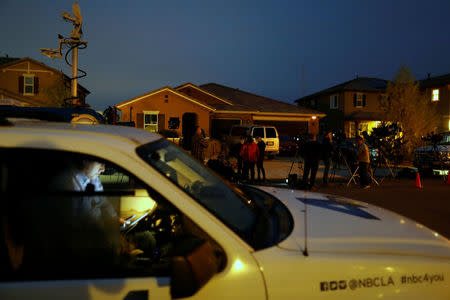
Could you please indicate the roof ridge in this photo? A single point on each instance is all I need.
(435, 77)
(342, 85)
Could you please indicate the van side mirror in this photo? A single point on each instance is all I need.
(190, 273)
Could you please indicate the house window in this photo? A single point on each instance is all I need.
(435, 95)
(174, 123)
(28, 84)
(334, 102)
(151, 121)
(359, 100)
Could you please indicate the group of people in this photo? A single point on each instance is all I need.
(313, 152)
(250, 153)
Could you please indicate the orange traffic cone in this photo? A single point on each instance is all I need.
(418, 183)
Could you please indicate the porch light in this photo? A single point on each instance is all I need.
(314, 117)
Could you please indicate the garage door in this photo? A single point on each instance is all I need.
(289, 128)
(220, 127)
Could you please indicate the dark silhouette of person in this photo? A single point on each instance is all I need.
(260, 162)
(311, 156)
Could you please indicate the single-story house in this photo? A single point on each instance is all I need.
(215, 108)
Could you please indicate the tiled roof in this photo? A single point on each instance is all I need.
(245, 101)
(360, 84)
(435, 81)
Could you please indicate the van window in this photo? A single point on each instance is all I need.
(258, 132)
(271, 133)
(239, 131)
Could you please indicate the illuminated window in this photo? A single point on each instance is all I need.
(28, 84)
(151, 121)
(435, 95)
(334, 102)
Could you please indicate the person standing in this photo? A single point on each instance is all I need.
(362, 156)
(311, 156)
(327, 154)
(249, 153)
(237, 152)
(199, 144)
(260, 162)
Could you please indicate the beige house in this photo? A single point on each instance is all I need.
(351, 107)
(27, 82)
(437, 89)
(215, 108)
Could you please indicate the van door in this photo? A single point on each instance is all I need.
(271, 140)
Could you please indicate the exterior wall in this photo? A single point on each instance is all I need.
(372, 103)
(245, 118)
(9, 80)
(442, 106)
(175, 107)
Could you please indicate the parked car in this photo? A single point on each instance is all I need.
(435, 156)
(287, 145)
(179, 231)
(269, 134)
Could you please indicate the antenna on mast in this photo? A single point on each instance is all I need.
(303, 81)
(74, 42)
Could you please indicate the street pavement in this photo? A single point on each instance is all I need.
(429, 206)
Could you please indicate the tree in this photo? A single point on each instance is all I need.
(411, 109)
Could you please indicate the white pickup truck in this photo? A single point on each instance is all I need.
(160, 226)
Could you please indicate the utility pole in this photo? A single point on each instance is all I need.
(74, 43)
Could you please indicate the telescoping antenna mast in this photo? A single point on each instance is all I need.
(74, 43)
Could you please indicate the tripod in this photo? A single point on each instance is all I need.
(384, 162)
(292, 178)
(356, 174)
(336, 164)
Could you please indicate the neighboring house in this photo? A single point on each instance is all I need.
(351, 107)
(27, 82)
(437, 89)
(215, 108)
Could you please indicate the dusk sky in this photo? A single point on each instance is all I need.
(260, 46)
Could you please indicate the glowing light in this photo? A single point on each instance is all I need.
(238, 265)
(314, 117)
(389, 269)
(402, 221)
(436, 234)
(435, 96)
